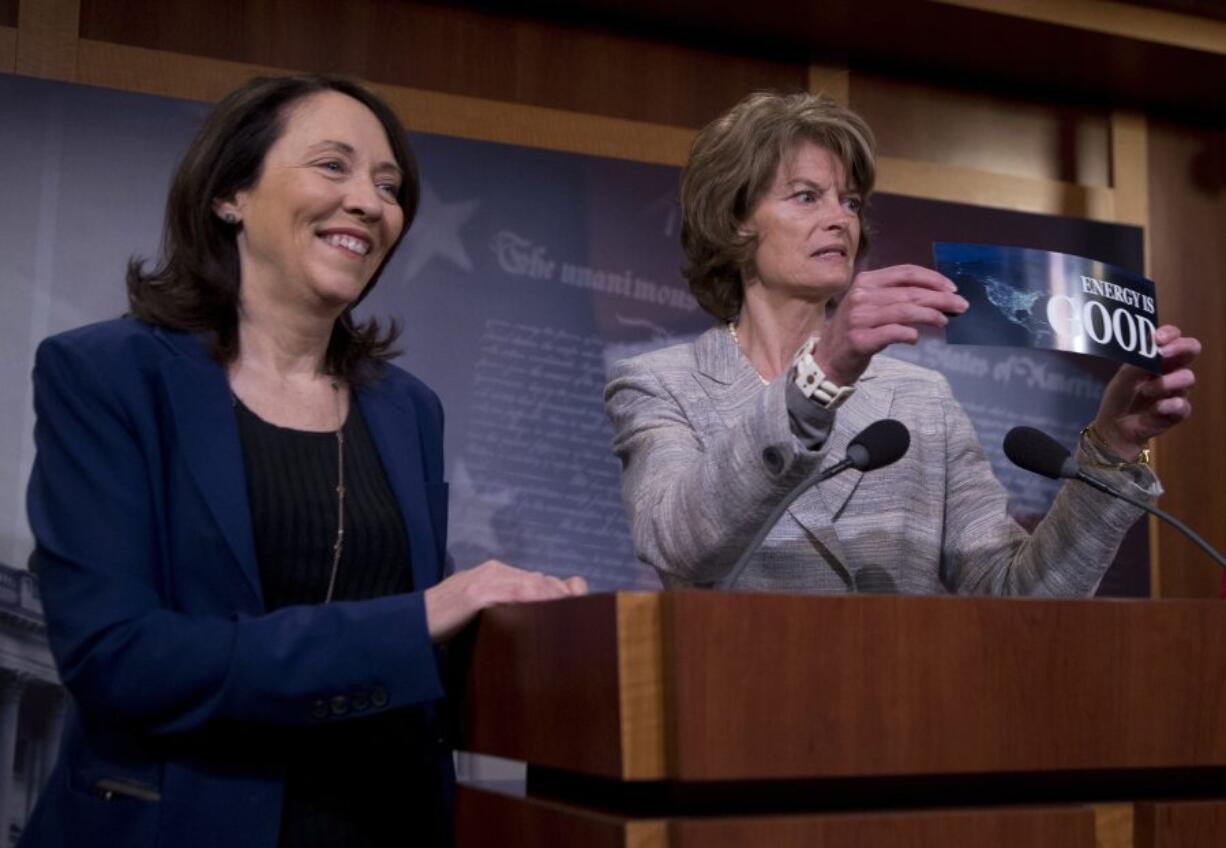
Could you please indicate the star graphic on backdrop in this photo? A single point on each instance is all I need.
(436, 232)
(473, 509)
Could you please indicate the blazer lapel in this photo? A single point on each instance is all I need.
(724, 374)
(817, 509)
(731, 382)
(393, 426)
(203, 415)
(870, 403)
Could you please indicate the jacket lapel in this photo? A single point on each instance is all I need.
(731, 383)
(203, 415)
(724, 374)
(870, 403)
(393, 427)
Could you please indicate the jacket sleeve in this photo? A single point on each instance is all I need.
(126, 656)
(987, 552)
(695, 500)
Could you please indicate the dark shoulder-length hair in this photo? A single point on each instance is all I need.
(194, 285)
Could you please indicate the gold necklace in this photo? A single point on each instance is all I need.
(737, 342)
(339, 545)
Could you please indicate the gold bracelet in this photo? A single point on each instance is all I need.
(1090, 434)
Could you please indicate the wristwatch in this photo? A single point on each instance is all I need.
(812, 381)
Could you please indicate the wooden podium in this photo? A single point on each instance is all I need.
(715, 719)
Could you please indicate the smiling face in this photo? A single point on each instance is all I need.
(323, 214)
(807, 225)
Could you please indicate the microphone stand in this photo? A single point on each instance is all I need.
(1165, 516)
(1035, 451)
(756, 542)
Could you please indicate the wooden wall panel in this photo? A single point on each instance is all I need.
(917, 178)
(8, 49)
(47, 38)
(1174, 824)
(1205, 8)
(986, 132)
(1168, 23)
(457, 51)
(119, 66)
(1100, 50)
(1130, 169)
(1187, 203)
(8, 13)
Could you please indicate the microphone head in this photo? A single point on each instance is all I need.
(1038, 452)
(879, 444)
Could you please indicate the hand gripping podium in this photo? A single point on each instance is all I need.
(718, 719)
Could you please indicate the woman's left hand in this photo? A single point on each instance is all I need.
(1138, 405)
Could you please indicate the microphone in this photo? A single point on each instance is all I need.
(1035, 451)
(877, 445)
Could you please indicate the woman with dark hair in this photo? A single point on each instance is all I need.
(713, 435)
(240, 512)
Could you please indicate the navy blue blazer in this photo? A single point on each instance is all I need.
(178, 674)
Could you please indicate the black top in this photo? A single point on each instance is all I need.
(361, 780)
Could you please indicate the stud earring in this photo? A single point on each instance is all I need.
(230, 218)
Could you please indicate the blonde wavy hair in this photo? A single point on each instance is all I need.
(733, 162)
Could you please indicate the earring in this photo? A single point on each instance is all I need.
(230, 218)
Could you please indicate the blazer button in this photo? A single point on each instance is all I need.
(773, 460)
(359, 700)
(340, 705)
(378, 696)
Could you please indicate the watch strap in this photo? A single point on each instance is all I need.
(812, 381)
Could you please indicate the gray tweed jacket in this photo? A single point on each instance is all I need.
(707, 450)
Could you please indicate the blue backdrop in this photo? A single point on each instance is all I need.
(526, 273)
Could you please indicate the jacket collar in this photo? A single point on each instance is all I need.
(202, 410)
(728, 377)
(395, 429)
(203, 415)
(718, 358)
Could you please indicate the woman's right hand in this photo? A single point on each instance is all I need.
(455, 601)
(882, 308)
